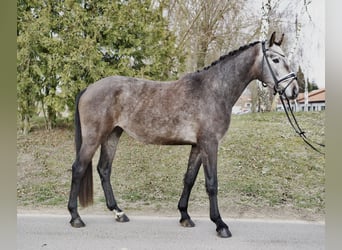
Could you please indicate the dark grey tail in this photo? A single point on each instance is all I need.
(86, 187)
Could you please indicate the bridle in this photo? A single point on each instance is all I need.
(277, 88)
(281, 91)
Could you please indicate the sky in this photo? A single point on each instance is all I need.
(315, 34)
(312, 38)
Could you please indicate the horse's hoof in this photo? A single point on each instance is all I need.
(77, 222)
(187, 223)
(224, 233)
(122, 218)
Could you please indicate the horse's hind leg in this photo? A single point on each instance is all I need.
(189, 180)
(104, 167)
(81, 170)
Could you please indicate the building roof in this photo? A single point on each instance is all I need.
(317, 95)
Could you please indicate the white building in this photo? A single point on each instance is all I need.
(316, 101)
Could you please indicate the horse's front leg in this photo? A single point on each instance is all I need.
(209, 149)
(189, 180)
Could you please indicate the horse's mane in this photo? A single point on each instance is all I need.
(230, 54)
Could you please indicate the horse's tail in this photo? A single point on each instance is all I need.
(86, 186)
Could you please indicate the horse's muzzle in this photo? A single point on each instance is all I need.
(295, 91)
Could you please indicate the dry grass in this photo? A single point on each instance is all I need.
(265, 170)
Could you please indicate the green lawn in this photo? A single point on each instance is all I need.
(264, 169)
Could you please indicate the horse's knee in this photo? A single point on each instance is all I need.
(211, 188)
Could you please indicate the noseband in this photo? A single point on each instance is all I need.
(277, 88)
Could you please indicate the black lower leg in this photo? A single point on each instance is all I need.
(209, 157)
(109, 195)
(189, 180)
(74, 191)
(104, 169)
(221, 227)
(183, 209)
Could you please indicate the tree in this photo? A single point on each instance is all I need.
(283, 18)
(63, 46)
(30, 75)
(311, 85)
(300, 80)
(206, 30)
(265, 96)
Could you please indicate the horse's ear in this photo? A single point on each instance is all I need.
(281, 39)
(271, 42)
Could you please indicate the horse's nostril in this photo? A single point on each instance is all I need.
(294, 92)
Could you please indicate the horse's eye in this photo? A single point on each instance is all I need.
(275, 60)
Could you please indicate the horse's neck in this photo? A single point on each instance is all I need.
(233, 74)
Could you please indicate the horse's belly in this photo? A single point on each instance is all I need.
(182, 135)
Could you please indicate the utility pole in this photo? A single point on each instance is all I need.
(290, 57)
(265, 8)
(306, 97)
(263, 94)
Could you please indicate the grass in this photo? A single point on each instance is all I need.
(263, 169)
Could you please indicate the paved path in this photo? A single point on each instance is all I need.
(103, 232)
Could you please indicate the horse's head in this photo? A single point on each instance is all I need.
(275, 70)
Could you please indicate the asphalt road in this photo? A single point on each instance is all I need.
(103, 232)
